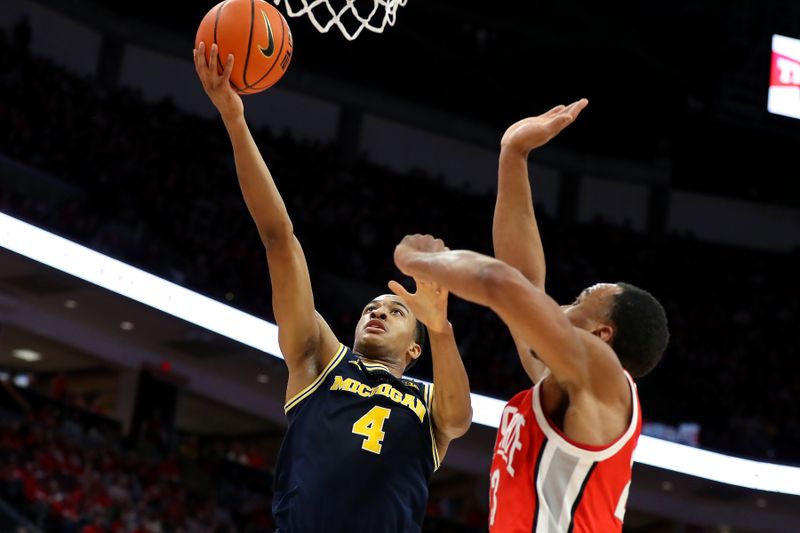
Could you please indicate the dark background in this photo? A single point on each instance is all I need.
(684, 82)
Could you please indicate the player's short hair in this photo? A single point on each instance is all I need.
(420, 336)
(641, 332)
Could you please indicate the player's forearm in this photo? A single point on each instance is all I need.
(453, 407)
(515, 233)
(258, 188)
(461, 272)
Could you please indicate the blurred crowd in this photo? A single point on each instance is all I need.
(157, 188)
(68, 470)
(67, 473)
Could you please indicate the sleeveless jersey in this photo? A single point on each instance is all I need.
(358, 453)
(542, 482)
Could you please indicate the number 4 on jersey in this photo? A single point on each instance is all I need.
(370, 426)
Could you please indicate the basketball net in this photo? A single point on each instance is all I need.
(383, 12)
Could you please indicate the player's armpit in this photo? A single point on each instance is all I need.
(533, 366)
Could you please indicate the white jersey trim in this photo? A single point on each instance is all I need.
(582, 453)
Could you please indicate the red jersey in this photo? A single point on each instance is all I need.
(543, 482)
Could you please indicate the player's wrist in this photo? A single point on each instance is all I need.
(509, 150)
(231, 116)
(440, 327)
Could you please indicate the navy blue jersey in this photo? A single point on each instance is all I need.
(358, 453)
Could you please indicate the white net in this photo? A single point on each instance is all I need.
(347, 18)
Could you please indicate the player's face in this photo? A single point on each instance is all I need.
(386, 328)
(592, 307)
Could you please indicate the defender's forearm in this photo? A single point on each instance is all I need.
(461, 272)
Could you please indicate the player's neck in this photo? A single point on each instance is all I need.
(395, 368)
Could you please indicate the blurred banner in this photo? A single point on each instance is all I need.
(784, 79)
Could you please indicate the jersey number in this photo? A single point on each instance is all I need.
(494, 484)
(370, 426)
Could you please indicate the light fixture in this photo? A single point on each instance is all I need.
(70, 304)
(30, 356)
(126, 325)
(666, 485)
(262, 378)
(761, 503)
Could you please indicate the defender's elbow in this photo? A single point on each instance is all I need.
(497, 279)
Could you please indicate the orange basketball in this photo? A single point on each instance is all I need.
(256, 34)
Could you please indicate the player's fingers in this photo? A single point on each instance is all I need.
(575, 108)
(398, 289)
(226, 74)
(200, 56)
(195, 60)
(212, 58)
(557, 109)
(559, 122)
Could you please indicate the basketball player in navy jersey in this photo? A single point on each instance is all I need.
(362, 440)
(563, 455)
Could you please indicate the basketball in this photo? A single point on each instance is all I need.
(257, 35)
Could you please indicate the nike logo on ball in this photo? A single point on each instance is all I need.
(270, 49)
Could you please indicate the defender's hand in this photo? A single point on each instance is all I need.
(218, 86)
(533, 132)
(428, 303)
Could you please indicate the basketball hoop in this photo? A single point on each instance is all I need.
(383, 12)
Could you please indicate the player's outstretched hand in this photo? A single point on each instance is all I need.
(533, 132)
(217, 86)
(428, 303)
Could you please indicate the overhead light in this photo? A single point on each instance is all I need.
(126, 325)
(70, 304)
(761, 503)
(262, 378)
(229, 296)
(22, 380)
(666, 485)
(30, 356)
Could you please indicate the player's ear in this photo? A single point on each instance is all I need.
(415, 350)
(604, 331)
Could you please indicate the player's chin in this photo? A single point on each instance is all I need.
(369, 339)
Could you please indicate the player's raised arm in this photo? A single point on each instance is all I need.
(451, 406)
(515, 233)
(305, 340)
(534, 316)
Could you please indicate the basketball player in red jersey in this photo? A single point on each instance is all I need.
(564, 449)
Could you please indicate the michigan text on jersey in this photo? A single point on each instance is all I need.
(384, 389)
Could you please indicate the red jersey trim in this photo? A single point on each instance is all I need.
(585, 451)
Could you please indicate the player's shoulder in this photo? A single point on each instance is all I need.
(522, 398)
(415, 385)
